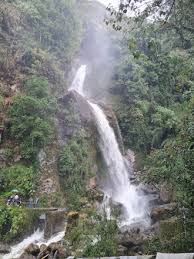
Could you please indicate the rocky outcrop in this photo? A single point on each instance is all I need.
(55, 221)
(114, 124)
(4, 248)
(52, 251)
(162, 211)
(75, 114)
(166, 192)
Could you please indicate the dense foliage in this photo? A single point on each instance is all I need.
(154, 83)
(38, 41)
(75, 170)
(29, 119)
(14, 222)
(96, 235)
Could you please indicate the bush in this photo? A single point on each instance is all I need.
(36, 86)
(74, 169)
(30, 125)
(14, 222)
(20, 177)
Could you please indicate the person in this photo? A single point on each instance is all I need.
(10, 200)
(17, 200)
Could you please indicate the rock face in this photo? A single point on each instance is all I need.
(162, 211)
(55, 222)
(166, 192)
(75, 114)
(4, 249)
(52, 251)
(114, 124)
(32, 249)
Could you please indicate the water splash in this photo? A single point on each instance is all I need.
(36, 238)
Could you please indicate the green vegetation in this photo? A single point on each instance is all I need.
(38, 41)
(30, 117)
(94, 237)
(155, 108)
(19, 176)
(14, 222)
(75, 170)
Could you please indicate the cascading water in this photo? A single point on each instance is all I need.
(37, 238)
(117, 186)
(78, 82)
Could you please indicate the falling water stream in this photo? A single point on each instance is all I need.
(37, 238)
(117, 187)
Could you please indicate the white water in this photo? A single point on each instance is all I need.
(117, 185)
(36, 238)
(78, 82)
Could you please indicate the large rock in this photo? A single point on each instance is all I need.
(133, 237)
(166, 192)
(54, 223)
(4, 249)
(162, 211)
(27, 256)
(62, 252)
(32, 249)
(75, 113)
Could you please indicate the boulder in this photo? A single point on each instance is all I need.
(43, 248)
(32, 249)
(55, 221)
(73, 215)
(131, 238)
(27, 256)
(166, 192)
(161, 211)
(121, 250)
(4, 249)
(62, 252)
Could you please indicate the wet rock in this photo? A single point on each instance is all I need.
(114, 124)
(121, 250)
(62, 252)
(132, 238)
(96, 195)
(32, 249)
(162, 211)
(166, 192)
(4, 249)
(55, 221)
(43, 248)
(27, 256)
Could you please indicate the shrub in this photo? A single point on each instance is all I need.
(20, 177)
(36, 86)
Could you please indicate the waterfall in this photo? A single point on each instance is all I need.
(117, 185)
(78, 82)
